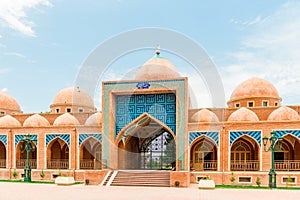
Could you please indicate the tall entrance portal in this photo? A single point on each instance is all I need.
(145, 127)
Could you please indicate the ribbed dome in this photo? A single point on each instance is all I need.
(66, 120)
(254, 87)
(9, 121)
(157, 68)
(243, 114)
(8, 103)
(204, 115)
(94, 120)
(73, 96)
(36, 120)
(284, 113)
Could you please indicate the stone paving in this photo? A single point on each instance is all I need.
(16, 191)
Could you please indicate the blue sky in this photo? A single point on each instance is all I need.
(43, 43)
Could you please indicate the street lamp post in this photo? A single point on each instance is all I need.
(273, 139)
(28, 145)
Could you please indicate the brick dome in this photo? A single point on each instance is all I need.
(284, 113)
(94, 120)
(254, 87)
(204, 115)
(243, 114)
(36, 120)
(157, 68)
(74, 99)
(66, 120)
(8, 104)
(9, 121)
(257, 90)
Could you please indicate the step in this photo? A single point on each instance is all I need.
(141, 178)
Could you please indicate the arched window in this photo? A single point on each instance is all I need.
(244, 155)
(90, 154)
(2, 155)
(58, 155)
(204, 155)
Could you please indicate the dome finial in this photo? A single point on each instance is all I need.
(157, 50)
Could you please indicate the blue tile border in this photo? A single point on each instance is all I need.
(50, 137)
(20, 137)
(3, 138)
(213, 135)
(256, 135)
(83, 136)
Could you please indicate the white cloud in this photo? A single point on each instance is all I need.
(4, 89)
(13, 14)
(270, 51)
(258, 19)
(15, 54)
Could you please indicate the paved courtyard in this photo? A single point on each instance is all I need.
(16, 191)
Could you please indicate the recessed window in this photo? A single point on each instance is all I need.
(245, 179)
(288, 179)
(2, 112)
(198, 178)
(68, 110)
(80, 110)
(276, 104)
(54, 176)
(265, 103)
(57, 110)
(237, 105)
(251, 104)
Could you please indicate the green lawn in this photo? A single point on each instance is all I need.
(254, 187)
(38, 182)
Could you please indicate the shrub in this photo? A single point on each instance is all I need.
(289, 180)
(42, 174)
(15, 174)
(232, 178)
(258, 181)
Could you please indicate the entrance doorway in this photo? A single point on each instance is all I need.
(147, 147)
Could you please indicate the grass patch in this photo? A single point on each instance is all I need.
(33, 182)
(241, 187)
(254, 187)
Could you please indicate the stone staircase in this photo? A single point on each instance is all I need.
(107, 178)
(141, 178)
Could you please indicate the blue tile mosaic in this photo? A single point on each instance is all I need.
(65, 137)
(213, 135)
(20, 137)
(84, 136)
(160, 106)
(254, 134)
(282, 133)
(3, 138)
